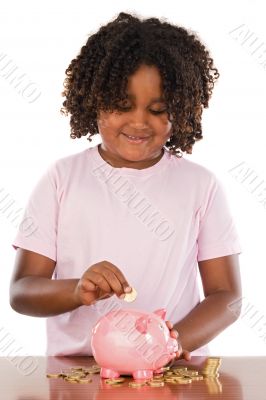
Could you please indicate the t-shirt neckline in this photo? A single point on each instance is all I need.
(130, 171)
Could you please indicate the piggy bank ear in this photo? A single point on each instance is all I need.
(142, 325)
(161, 313)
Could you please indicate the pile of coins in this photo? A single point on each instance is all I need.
(179, 375)
(174, 375)
(77, 374)
(211, 367)
(211, 375)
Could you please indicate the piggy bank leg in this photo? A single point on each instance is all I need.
(142, 374)
(108, 373)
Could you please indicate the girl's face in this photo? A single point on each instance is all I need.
(143, 115)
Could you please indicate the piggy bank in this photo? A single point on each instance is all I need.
(132, 342)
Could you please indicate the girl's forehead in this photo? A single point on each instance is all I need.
(156, 99)
(146, 81)
(146, 73)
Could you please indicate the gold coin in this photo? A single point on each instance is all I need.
(85, 380)
(78, 375)
(191, 372)
(155, 383)
(129, 297)
(71, 380)
(197, 378)
(109, 381)
(184, 380)
(53, 375)
(118, 380)
(93, 371)
(211, 375)
(136, 384)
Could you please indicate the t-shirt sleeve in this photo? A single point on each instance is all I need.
(37, 230)
(217, 236)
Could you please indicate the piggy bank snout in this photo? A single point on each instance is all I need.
(172, 345)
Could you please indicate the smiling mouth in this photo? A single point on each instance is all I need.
(136, 139)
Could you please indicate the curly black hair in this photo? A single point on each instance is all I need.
(97, 78)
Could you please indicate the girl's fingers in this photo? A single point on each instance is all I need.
(125, 287)
(186, 355)
(113, 281)
(169, 324)
(88, 286)
(97, 279)
(174, 334)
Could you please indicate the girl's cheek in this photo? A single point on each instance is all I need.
(111, 121)
(102, 122)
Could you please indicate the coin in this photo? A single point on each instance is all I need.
(93, 370)
(114, 381)
(155, 383)
(129, 297)
(118, 380)
(109, 381)
(191, 373)
(179, 369)
(165, 368)
(53, 375)
(168, 373)
(85, 380)
(136, 384)
(197, 378)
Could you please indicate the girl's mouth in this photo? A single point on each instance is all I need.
(135, 139)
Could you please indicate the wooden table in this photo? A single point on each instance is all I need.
(24, 378)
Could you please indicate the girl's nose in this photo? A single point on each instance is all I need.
(138, 119)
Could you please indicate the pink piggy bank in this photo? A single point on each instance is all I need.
(132, 342)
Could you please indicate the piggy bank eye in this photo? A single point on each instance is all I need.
(161, 327)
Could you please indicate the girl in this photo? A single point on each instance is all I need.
(131, 211)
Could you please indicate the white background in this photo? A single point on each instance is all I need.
(41, 39)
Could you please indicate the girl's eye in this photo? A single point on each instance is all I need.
(123, 108)
(158, 112)
(155, 112)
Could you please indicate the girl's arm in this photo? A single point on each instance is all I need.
(222, 285)
(33, 292)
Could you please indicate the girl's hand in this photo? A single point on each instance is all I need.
(100, 281)
(174, 334)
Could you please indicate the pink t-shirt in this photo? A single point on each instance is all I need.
(154, 224)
